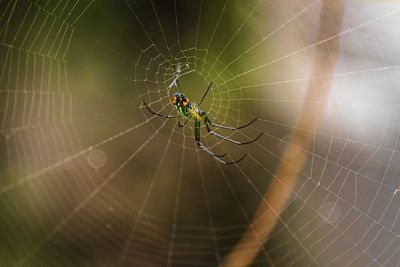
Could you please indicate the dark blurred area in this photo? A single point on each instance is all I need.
(90, 178)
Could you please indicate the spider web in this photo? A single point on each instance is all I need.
(90, 178)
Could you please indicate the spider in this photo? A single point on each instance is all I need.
(188, 110)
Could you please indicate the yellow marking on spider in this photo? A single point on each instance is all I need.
(195, 113)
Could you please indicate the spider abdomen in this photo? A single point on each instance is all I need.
(182, 104)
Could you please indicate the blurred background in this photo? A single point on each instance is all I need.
(88, 177)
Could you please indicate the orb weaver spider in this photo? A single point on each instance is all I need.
(188, 110)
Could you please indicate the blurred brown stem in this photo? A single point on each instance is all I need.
(295, 155)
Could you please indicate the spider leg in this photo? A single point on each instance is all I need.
(236, 161)
(161, 115)
(205, 94)
(234, 141)
(217, 157)
(186, 121)
(197, 139)
(230, 128)
(207, 121)
(210, 152)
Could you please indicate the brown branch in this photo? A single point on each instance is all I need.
(294, 157)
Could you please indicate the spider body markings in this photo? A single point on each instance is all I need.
(188, 110)
(184, 106)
